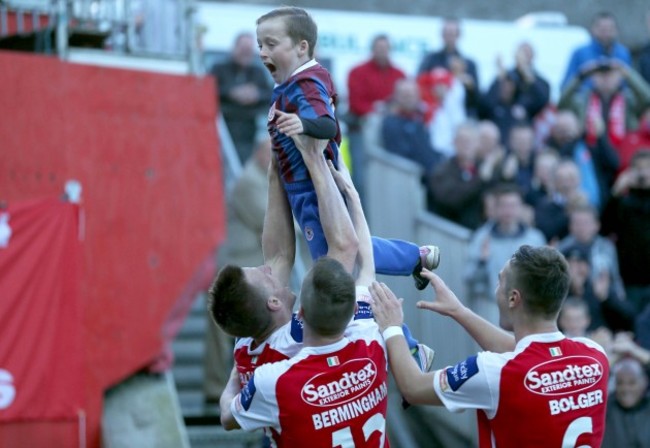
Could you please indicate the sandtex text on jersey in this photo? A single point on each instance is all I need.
(556, 378)
(349, 388)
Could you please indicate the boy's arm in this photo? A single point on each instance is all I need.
(291, 124)
(341, 238)
(278, 238)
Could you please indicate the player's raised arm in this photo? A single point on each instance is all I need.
(487, 335)
(365, 258)
(278, 237)
(342, 241)
(415, 386)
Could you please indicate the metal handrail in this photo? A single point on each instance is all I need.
(170, 26)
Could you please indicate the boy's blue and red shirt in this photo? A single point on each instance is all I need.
(309, 93)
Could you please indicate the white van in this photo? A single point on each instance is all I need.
(344, 39)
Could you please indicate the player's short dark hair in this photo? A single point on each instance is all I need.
(238, 307)
(327, 297)
(541, 274)
(300, 25)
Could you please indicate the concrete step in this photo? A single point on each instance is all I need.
(191, 402)
(211, 436)
(194, 327)
(188, 351)
(188, 376)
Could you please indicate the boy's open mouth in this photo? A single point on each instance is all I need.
(271, 67)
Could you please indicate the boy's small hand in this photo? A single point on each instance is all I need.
(288, 124)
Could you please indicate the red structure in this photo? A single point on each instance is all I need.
(145, 149)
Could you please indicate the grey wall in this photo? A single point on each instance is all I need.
(630, 13)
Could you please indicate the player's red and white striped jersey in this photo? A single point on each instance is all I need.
(550, 392)
(328, 396)
(283, 343)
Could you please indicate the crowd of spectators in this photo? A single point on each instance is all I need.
(515, 169)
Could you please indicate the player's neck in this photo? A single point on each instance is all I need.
(264, 335)
(311, 339)
(530, 327)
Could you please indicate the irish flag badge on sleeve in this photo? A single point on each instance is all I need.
(555, 351)
(333, 361)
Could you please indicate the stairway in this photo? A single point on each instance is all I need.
(203, 430)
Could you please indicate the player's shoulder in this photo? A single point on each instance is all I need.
(587, 343)
(241, 343)
(362, 328)
(315, 74)
(287, 339)
(271, 371)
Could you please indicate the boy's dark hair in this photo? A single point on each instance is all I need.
(541, 274)
(327, 297)
(300, 25)
(238, 307)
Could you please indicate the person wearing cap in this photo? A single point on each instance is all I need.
(611, 105)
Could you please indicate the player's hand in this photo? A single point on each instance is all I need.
(386, 308)
(309, 147)
(445, 301)
(342, 179)
(288, 124)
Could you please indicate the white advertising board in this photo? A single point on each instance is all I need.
(344, 38)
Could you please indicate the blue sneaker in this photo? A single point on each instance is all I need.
(429, 259)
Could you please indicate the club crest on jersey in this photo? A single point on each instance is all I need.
(461, 372)
(350, 381)
(247, 393)
(309, 233)
(564, 376)
(271, 112)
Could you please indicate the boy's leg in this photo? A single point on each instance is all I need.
(398, 257)
(305, 209)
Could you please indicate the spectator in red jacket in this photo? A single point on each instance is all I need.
(368, 84)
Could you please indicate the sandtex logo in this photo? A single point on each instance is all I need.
(7, 389)
(351, 380)
(564, 375)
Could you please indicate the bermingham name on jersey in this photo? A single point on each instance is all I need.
(350, 410)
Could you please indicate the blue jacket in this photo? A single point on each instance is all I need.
(591, 52)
